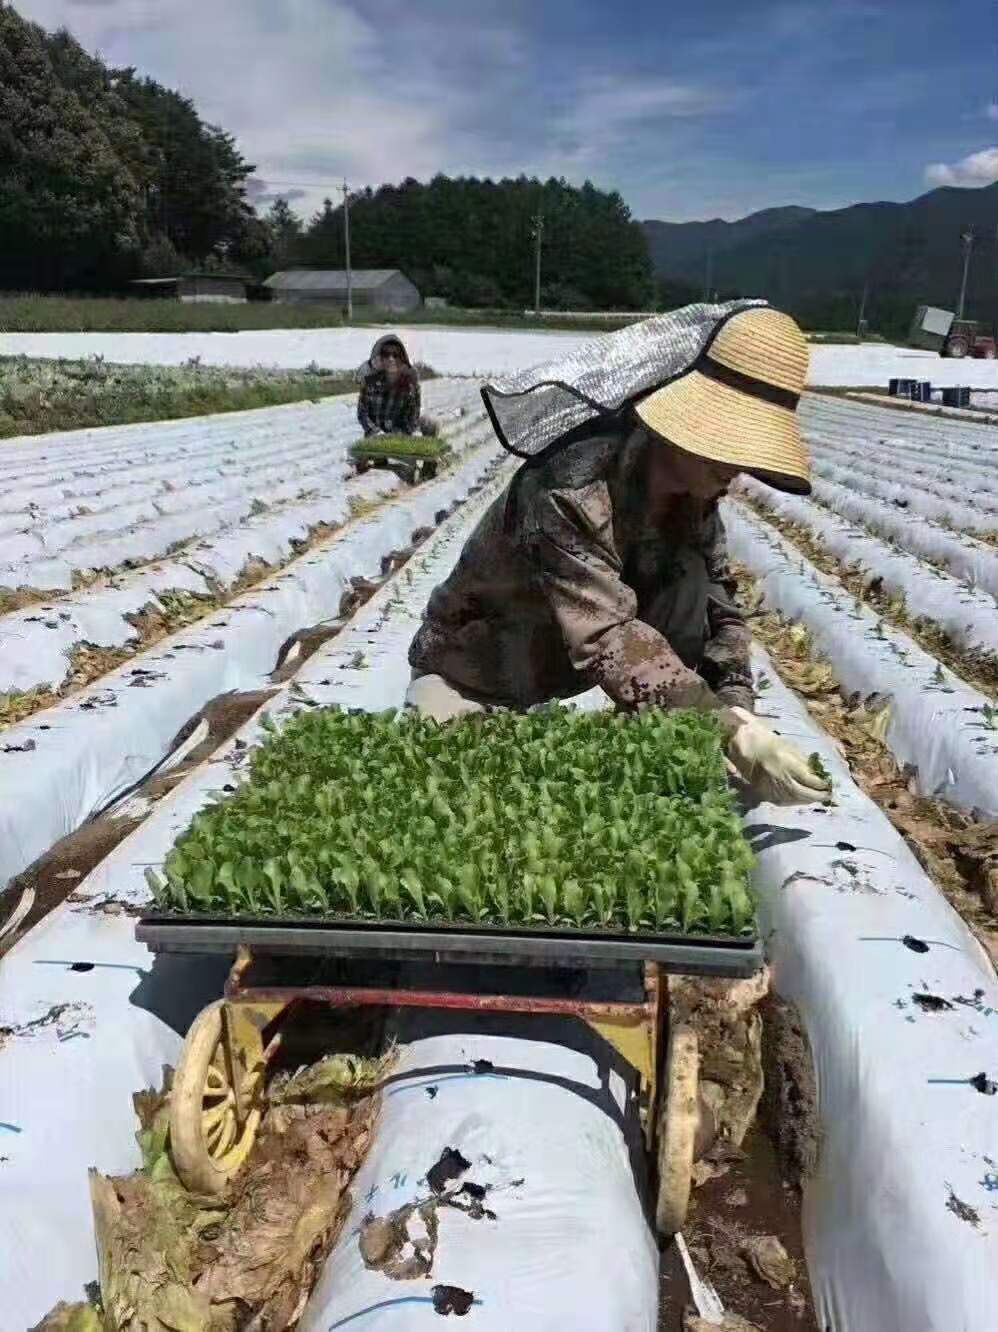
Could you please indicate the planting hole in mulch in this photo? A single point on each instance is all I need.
(452, 1300)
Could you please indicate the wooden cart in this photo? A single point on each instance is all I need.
(617, 985)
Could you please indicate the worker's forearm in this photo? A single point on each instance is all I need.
(726, 664)
(637, 668)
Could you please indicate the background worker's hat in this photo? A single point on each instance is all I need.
(737, 402)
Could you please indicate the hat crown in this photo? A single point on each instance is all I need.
(765, 344)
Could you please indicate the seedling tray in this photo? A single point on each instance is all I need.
(695, 955)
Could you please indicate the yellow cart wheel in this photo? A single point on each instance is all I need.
(679, 1120)
(215, 1106)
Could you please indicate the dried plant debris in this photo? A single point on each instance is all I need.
(170, 1261)
(553, 819)
(769, 1260)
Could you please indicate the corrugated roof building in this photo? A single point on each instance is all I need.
(373, 288)
(212, 288)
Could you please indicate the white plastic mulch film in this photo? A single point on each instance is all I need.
(61, 766)
(514, 1152)
(91, 1007)
(901, 1006)
(937, 724)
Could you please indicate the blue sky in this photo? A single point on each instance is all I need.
(703, 109)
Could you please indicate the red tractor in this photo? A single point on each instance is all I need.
(966, 339)
(941, 331)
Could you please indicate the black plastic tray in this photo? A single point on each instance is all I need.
(698, 955)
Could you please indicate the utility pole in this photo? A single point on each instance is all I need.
(708, 275)
(346, 245)
(537, 232)
(861, 319)
(968, 245)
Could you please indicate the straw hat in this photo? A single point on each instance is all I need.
(737, 403)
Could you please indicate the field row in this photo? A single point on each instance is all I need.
(71, 515)
(831, 880)
(238, 542)
(61, 765)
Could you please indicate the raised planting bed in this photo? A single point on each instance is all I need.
(583, 822)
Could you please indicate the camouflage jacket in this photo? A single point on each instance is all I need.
(567, 583)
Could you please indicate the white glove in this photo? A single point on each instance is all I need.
(772, 768)
(432, 696)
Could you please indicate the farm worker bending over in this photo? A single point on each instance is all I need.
(389, 398)
(604, 560)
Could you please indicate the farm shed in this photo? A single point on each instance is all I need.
(374, 288)
(194, 288)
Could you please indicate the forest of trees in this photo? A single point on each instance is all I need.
(107, 176)
(472, 242)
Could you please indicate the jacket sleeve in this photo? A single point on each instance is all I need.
(410, 412)
(726, 658)
(364, 409)
(570, 546)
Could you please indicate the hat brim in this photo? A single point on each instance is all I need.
(723, 424)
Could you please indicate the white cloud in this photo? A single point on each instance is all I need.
(613, 113)
(313, 90)
(974, 169)
(991, 110)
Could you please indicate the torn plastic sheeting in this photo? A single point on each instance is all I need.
(969, 617)
(906, 1138)
(968, 560)
(80, 1044)
(937, 723)
(954, 513)
(543, 1229)
(365, 666)
(106, 738)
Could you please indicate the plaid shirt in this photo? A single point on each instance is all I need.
(393, 408)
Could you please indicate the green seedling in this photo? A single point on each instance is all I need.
(553, 819)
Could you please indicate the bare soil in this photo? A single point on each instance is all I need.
(749, 1199)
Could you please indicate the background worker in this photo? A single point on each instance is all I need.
(604, 561)
(389, 400)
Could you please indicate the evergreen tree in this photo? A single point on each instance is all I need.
(285, 231)
(70, 206)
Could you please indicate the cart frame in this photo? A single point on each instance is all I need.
(223, 1068)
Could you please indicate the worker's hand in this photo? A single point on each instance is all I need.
(771, 767)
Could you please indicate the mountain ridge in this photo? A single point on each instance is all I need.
(817, 262)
